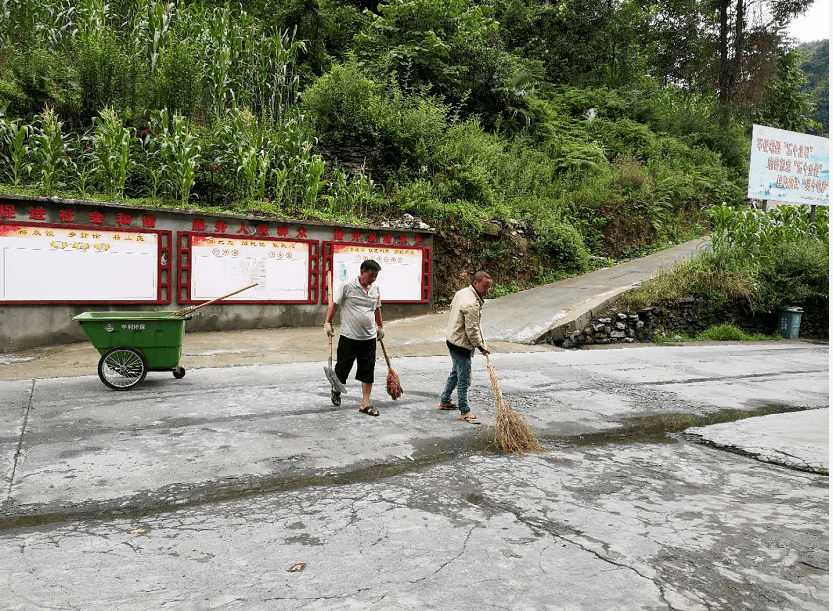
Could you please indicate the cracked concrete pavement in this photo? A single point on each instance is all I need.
(241, 487)
(207, 492)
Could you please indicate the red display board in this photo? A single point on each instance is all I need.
(213, 264)
(43, 263)
(405, 275)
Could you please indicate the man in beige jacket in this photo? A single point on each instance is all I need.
(462, 336)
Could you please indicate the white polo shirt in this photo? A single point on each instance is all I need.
(358, 309)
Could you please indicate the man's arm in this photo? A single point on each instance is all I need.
(472, 320)
(380, 331)
(328, 319)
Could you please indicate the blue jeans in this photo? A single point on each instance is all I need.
(459, 378)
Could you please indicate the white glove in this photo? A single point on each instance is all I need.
(380, 333)
(328, 327)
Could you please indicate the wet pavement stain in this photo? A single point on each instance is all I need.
(662, 428)
(658, 428)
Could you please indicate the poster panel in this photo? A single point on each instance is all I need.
(402, 277)
(789, 167)
(283, 269)
(44, 263)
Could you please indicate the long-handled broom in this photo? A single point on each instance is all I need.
(193, 308)
(512, 433)
(392, 384)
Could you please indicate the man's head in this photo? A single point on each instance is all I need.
(482, 282)
(368, 272)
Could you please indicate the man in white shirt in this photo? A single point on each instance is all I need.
(361, 326)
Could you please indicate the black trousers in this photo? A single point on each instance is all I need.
(362, 352)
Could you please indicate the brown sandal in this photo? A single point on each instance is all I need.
(448, 406)
(470, 418)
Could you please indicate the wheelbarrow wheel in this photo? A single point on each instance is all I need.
(179, 372)
(122, 368)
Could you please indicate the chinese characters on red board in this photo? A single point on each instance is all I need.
(790, 161)
(148, 221)
(78, 240)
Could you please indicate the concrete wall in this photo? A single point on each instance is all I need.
(25, 326)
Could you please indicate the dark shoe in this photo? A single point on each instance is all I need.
(369, 411)
(335, 396)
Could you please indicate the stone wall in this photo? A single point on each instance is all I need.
(686, 315)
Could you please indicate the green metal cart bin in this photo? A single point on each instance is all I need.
(133, 343)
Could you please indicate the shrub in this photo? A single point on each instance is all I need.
(623, 137)
(562, 243)
(792, 273)
(342, 105)
(34, 78)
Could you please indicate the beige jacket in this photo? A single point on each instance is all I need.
(463, 328)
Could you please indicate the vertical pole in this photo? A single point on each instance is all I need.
(813, 214)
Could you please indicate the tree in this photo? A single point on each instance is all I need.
(786, 106)
(748, 34)
(817, 69)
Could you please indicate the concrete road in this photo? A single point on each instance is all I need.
(244, 488)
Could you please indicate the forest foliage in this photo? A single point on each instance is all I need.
(608, 127)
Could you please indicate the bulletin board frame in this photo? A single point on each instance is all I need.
(185, 271)
(425, 273)
(164, 264)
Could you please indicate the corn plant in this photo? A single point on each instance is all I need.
(14, 149)
(50, 150)
(312, 171)
(179, 152)
(81, 180)
(52, 23)
(266, 79)
(217, 61)
(346, 194)
(110, 151)
(755, 231)
(159, 16)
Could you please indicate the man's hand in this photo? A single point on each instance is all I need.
(328, 327)
(380, 333)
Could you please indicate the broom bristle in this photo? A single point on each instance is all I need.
(393, 386)
(512, 433)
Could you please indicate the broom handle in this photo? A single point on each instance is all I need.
(330, 304)
(202, 305)
(385, 352)
(483, 337)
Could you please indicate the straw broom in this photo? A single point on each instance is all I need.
(392, 384)
(512, 433)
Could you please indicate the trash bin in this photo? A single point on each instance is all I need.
(790, 322)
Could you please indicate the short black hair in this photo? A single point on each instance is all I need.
(371, 265)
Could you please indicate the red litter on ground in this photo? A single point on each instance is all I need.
(297, 567)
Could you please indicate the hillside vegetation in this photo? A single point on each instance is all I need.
(538, 139)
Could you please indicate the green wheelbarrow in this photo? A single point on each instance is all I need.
(133, 343)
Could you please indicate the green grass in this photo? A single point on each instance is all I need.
(729, 332)
(724, 332)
